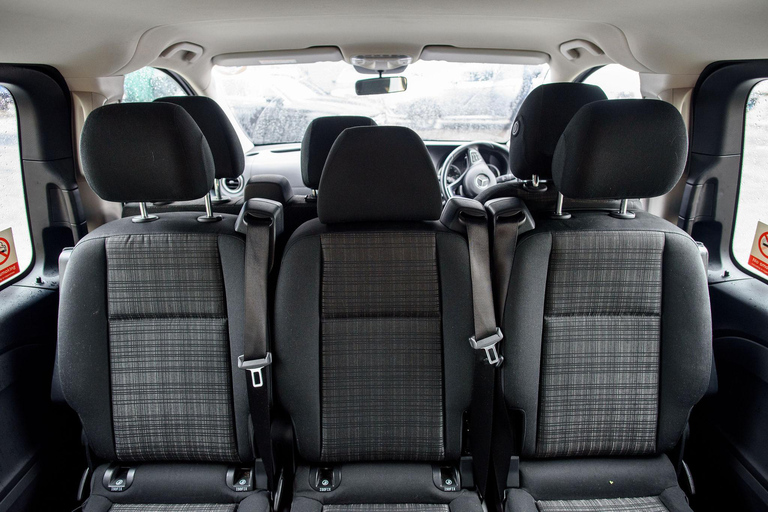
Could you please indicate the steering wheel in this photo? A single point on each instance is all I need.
(478, 175)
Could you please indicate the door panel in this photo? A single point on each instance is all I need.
(728, 448)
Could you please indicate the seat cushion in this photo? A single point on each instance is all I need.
(647, 484)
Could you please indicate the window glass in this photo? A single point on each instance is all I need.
(616, 81)
(13, 204)
(455, 101)
(752, 204)
(148, 84)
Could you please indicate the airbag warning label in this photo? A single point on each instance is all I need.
(758, 258)
(9, 263)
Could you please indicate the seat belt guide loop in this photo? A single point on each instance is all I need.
(489, 345)
(255, 366)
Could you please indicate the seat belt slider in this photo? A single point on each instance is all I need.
(255, 366)
(489, 345)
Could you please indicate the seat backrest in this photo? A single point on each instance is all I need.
(150, 320)
(536, 129)
(373, 310)
(607, 323)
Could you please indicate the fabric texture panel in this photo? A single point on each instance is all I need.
(382, 385)
(164, 275)
(650, 504)
(174, 508)
(599, 388)
(169, 349)
(393, 507)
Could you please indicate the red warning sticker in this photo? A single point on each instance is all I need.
(758, 258)
(9, 263)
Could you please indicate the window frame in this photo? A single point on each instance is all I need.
(715, 160)
(32, 262)
(177, 78)
(745, 269)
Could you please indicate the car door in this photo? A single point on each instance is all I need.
(40, 455)
(726, 207)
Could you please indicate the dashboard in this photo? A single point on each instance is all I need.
(285, 160)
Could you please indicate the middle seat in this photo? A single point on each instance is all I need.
(373, 311)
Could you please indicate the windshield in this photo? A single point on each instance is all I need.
(445, 100)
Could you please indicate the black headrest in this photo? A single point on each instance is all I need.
(145, 152)
(378, 173)
(620, 149)
(318, 139)
(225, 146)
(539, 123)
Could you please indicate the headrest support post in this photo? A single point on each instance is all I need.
(623, 213)
(145, 216)
(559, 213)
(312, 196)
(217, 199)
(209, 216)
(535, 184)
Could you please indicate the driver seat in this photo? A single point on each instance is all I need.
(537, 127)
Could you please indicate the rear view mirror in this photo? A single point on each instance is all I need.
(383, 85)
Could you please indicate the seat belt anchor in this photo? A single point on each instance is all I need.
(255, 366)
(489, 345)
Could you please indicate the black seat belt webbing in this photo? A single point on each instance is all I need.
(487, 335)
(256, 357)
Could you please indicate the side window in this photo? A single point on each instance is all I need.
(15, 239)
(616, 81)
(748, 247)
(147, 84)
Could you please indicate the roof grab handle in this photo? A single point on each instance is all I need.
(571, 50)
(187, 52)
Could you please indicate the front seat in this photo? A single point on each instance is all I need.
(372, 315)
(607, 324)
(228, 157)
(150, 326)
(536, 129)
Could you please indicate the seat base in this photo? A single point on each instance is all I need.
(183, 487)
(382, 487)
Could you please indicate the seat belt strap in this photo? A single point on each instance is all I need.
(256, 357)
(505, 231)
(487, 336)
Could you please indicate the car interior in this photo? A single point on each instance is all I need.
(383, 257)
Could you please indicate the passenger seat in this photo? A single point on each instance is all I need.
(372, 318)
(607, 327)
(151, 324)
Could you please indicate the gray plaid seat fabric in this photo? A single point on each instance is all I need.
(169, 349)
(650, 504)
(174, 508)
(600, 349)
(393, 507)
(382, 381)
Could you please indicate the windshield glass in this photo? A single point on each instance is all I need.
(445, 100)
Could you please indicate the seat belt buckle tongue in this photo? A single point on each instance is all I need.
(255, 366)
(489, 345)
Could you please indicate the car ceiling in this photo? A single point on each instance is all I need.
(100, 38)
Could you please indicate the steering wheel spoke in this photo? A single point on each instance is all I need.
(476, 177)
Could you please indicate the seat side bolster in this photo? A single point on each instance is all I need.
(523, 327)
(686, 337)
(83, 346)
